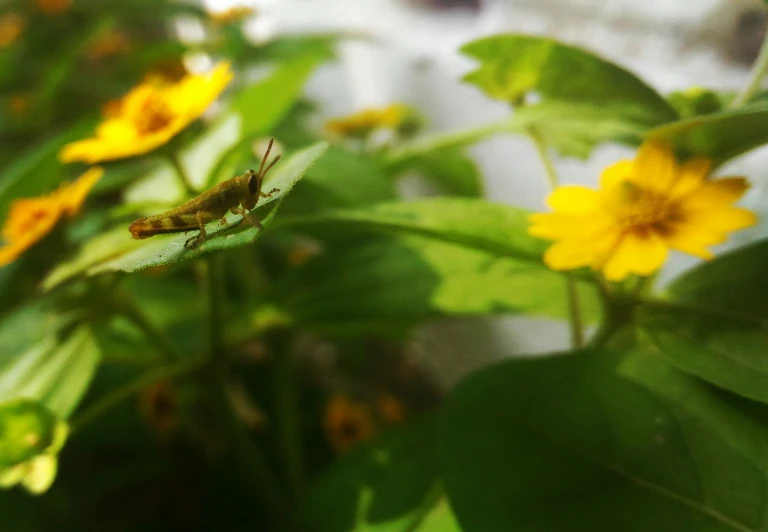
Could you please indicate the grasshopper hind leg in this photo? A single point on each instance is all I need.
(246, 216)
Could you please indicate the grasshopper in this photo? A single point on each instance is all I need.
(242, 190)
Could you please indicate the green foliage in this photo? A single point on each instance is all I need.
(567, 431)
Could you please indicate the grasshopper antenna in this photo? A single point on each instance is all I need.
(266, 156)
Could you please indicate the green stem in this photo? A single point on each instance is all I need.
(759, 69)
(133, 387)
(541, 149)
(249, 455)
(287, 411)
(181, 174)
(574, 308)
(127, 308)
(574, 312)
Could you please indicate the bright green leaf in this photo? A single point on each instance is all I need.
(56, 373)
(27, 428)
(450, 170)
(720, 136)
(563, 443)
(116, 250)
(512, 66)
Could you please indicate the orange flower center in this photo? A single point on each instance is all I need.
(643, 211)
(153, 115)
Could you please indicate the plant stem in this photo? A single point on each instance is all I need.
(574, 308)
(287, 410)
(574, 312)
(127, 308)
(178, 167)
(541, 149)
(759, 69)
(124, 392)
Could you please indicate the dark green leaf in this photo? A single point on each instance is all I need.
(451, 171)
(720, 136)
(515, 65)
(118, 251)
(386, 485)
(715, 325)
(563, 443)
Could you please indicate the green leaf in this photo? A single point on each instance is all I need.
(450, 170)
(378, 283)
(720, 136)
(340, 179)
(715, 323)
(388, 484)
(27, 429)
(54, 372)
(512, 66)
(116, 250)
(563, 443)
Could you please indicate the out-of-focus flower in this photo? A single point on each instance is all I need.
(231, 15)
(30, 219)
(19, 104)
(390, 409)
(108, 43)
(364, 122)
(149, 116)
(346, 423)
(11, 27)
(643, 209)
(53, 7)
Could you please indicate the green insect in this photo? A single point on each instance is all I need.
(237, 195)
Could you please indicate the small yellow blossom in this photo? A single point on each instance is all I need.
(643, 209)
(363, 122)
(346, 423)
(30, 219)
(149, 116)
(231, 15)
(53, 7)
(11, 27)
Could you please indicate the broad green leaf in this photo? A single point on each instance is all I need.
(388, 484)
(27, 428)
(699, 101)
(563, 443)
(512, 66)
(340, 179)
(720, 136)
(715, 323)
(53, 371)
(450, 170)
(378, 283)
(116, 250)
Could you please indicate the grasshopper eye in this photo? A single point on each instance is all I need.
(253, 183)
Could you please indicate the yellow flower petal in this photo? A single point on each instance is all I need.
(149, 116)
(574, 199)
(635, 253)
(655, 166)
(73, 195)
(717, 193)
(692, 174)
(616, 174)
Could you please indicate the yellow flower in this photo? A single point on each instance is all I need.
(53, 7)
(30, 219)
(365, 121)
(149, 116)
(346, 423)
(643, 209)
(11, 27)
(233, 14)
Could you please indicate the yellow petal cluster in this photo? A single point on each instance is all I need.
(30, 219)
(643, 209)
(149, 116)
(363, 122)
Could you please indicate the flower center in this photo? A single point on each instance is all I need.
(152, 115)
(645, 211)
